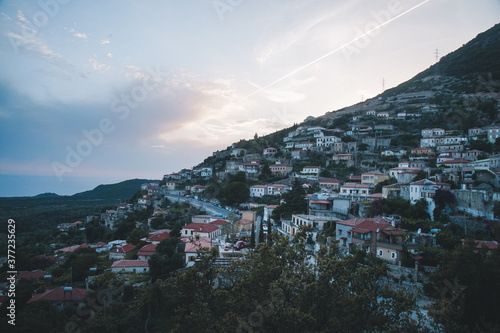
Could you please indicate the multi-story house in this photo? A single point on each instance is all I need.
(354, 191)
(258, 191)
(280, 169)
(373, 177)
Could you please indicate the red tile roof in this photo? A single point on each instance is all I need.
(201, 227)
(123, 249)
(159, 236)
(147, 250)
(220, 222)
(357, 221)
(61, 295)
(129, 263)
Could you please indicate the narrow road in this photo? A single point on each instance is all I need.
(206, 206)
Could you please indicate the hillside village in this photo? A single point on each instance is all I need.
(407, 181)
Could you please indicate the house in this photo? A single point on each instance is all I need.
(156, 237)
(304, 145)
(383, 115)
(145, 200)
(279, 169)
(493, 133)
(315, 170)
(298, 154)
(317, 222)
(342, 157)
(428, 132)
(193, 246)
(268, 211)
(327, 141)
(394, 172)
(146, 251)
(258, 191)
(200, 229)
(474, 132)
(330, 184)
(71, 248)
(425, 189)
(120, 252)
(130, 266)
(277, 189)
(472, 155)
(371, 113)
(455, 164)
(269, 152)
(375, 235)
(399, 190)
(422, 151)
(62, 297)
(373, 177)
(251, 168)
(354, 191)
(198, 189)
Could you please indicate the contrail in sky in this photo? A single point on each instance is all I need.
(337, 49)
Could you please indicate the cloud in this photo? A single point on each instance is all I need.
(105, 41)
(97, 65)
(77, 34)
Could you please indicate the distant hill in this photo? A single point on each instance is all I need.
(47, 195)
(119, 191)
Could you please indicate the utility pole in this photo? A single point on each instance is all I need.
(437, 55)
(383, 84)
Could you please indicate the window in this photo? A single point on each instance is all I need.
(340, 232)
(394, 255)
(379, 253)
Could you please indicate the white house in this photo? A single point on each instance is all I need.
(258, 191)
(200, 229)
(425, 189)
(355, 191)
(130, 266)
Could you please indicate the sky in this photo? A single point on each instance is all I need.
(96, 92)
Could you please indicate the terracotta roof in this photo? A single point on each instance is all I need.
(355, 185)
(101, 244)
(372, 225)
(194, 246)
(123, 249)
(61, 295)
(147, 250)
(357, 221)
(220, 222)
(30, 275)
(375, 195)
(158, 236)
(321, 201)
(129, 263)
(201, 227)
(69, 248)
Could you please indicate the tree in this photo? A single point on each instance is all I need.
(252, 236)
(166, 260)
(467, 282)
(295, 203)
(236, 193)
(134, 237)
